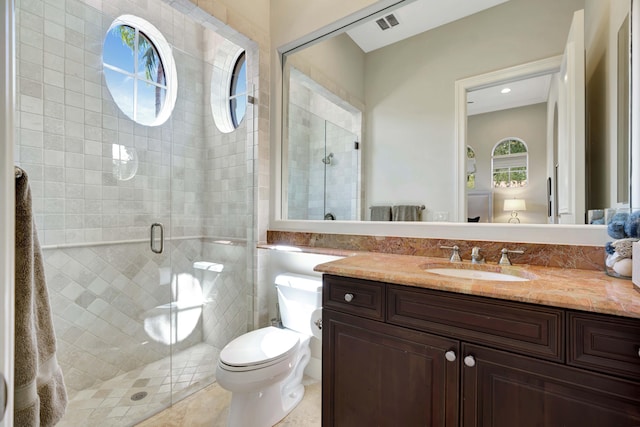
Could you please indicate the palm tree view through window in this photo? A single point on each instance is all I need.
(134, 73)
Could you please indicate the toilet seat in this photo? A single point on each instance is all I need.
(259, 348)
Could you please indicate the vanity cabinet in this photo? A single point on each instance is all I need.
(398, 355)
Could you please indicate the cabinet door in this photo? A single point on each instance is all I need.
(506, 390)
(375, 374)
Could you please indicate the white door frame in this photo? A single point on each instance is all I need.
(518, 72)
(7, 207)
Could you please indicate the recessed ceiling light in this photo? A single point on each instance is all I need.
(505, 90)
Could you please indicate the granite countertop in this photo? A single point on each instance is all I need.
(585, 290)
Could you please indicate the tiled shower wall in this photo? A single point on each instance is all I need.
(316, 128)
(101, 292)
(109, 299)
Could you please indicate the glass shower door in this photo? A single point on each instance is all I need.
(341, 166)
(323, 169)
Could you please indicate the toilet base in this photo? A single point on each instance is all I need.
(270, 404)
(267, 407)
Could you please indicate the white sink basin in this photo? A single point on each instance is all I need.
(464, 273)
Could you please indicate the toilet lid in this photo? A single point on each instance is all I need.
(259, 347)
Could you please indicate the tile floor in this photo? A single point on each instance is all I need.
(210, 406)
(110, 403)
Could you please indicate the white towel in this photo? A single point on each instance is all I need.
(40, 397)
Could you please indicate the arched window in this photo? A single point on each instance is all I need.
(509, 163)
(471, 168)
(139, 70)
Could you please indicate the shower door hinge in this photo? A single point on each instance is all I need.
(356, 145)
(251, 99)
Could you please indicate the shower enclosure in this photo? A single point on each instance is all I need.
(322, 155)
(323, 168)
(146, 231)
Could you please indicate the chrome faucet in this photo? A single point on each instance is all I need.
(455, 253)
(476, 258)
(504, 259)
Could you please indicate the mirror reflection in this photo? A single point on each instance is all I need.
(369, 115)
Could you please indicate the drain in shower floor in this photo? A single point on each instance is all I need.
(139, 395)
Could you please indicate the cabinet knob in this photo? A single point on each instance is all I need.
(470, 361)
(450, 356)
(348, 297)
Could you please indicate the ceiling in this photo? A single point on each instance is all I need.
(416, 17)
(419, 16)
(529, 91)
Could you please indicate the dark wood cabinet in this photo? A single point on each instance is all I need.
(403, 356)
(504, 390)
(383, 375)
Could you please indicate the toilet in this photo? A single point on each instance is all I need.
(263, 368)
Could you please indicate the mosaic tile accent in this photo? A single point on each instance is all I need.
(565, 256)
(110, 403)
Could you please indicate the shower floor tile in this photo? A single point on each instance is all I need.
(110, 403)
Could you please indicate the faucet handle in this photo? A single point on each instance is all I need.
(455, 253)
(504, 259)
(476, 257)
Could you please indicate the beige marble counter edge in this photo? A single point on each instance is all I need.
(576, 289)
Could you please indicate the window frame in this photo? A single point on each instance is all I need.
(234, 95)
(471, 184)
(514, 158)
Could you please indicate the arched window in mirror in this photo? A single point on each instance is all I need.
(471, 168)
(509, 163)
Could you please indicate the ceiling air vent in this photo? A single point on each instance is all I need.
(387, 22)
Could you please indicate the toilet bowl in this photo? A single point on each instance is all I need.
(264, 368)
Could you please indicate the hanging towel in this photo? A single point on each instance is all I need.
(407, 212)
(380, 213)
(40, 397)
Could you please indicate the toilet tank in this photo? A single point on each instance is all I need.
(298, 297)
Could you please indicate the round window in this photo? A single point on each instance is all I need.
(229, 87)
(238, 91)
(139, 70)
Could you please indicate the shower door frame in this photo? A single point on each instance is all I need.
(7, 195)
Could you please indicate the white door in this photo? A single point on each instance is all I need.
(571, 127)
(7, 196)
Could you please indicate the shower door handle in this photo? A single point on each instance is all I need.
(152, 238)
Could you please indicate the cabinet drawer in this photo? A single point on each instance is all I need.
(604, 343)
(353, 296)
(526, 329)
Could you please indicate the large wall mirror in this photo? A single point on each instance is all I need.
(384, 113)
